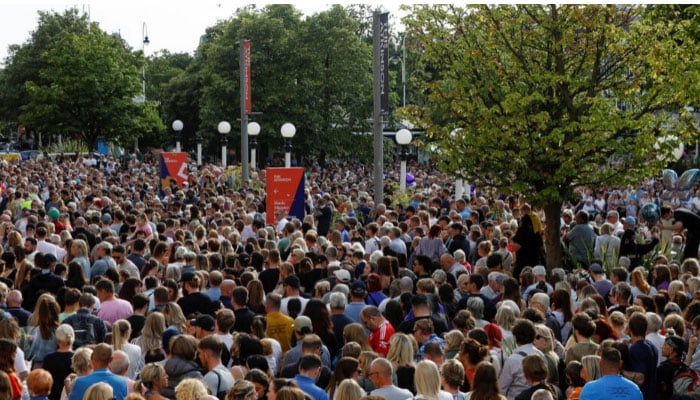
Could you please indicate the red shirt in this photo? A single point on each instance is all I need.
(379, 339)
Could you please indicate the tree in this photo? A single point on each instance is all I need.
(71, 78)
(543, 98)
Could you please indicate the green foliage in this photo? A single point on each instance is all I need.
(315, 73)
(77, 81)
(547, 95)
(66, 146)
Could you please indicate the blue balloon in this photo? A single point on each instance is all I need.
(670, 177)
(651, 213)
(688, 179)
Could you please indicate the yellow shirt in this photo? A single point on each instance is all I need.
(279, 327)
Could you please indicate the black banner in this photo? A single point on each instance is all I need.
(384, 61)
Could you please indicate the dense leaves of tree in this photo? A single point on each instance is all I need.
(543, 98)
(73, 79)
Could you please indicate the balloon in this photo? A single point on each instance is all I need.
(688, 179)
(410, 178)
(677, 151)
(651, 213)
(670, 177)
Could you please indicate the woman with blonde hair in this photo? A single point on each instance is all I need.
(401, 354)
(242, 390)
(288, 393)
(545, 343)
(191, 389)
(256, 296)
(80, 254)
(428, 382)
(153, 380)
(99, 391)
(151, 337)
(453, 343)
(44, 322)
(348, 390)
(81, 364)
(174, 318)
(356, 333)
(591, 368)
(121, 331)
(639, 283)
(365, 360)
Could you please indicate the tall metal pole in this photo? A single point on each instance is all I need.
(377, 115)
(403, 69)
(244, 115)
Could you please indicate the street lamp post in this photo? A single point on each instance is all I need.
(288, 131)
(224, 129)
(144, 43)
(177, 127)
(199, 149)
(253, 131)
(402, 60)
(403, 138)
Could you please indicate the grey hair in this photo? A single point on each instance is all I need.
(653, 322)
(476, 306)
(119, 365)
(338, 300)
(459, 255)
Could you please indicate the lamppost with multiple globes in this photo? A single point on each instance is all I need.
(177, 127)
(403, 139)
(224, 128)
(288, 131)
(253, 132)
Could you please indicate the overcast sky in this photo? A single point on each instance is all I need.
(175, 25)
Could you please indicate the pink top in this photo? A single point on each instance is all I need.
(113, 310)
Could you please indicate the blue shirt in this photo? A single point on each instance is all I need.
(612, 387)
(308, 386)
(81, 385)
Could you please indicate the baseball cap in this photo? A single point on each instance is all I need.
(291, 280)
(677, 343)
(167, 335)
(204, 321)
(630, 221)
(302, 322)
(106, 218)
(187, 276)
(358, 288)
(343, 275)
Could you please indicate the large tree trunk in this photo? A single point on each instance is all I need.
(552, 245)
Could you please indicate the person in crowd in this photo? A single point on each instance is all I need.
(100, 359)
(381, 372)
(611, 382)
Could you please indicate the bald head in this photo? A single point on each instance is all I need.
(227, 286)
(14, 298)
(120, 363)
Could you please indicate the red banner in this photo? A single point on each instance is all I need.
(173, 166)
(248, 79)
(285, 190)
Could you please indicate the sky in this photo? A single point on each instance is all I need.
(175, 25)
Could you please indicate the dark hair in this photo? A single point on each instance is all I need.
(474, 350)
(637, 324)
(524, 331)
(485, 382)
(320, 317)
(583, 324)
(573, 374)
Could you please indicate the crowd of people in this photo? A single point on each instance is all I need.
(115, 284)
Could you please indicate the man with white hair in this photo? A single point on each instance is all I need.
(540, 302)
(653, 335)
(540, 274)
(14, 307)
(120, 366)
(337, 303)
(103, 260)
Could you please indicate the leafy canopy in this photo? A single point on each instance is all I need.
(539, 99)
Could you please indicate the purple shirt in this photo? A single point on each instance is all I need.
(113, 310)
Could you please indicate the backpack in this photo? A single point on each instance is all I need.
(84, 332)
(686, 380)
(221, 394)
